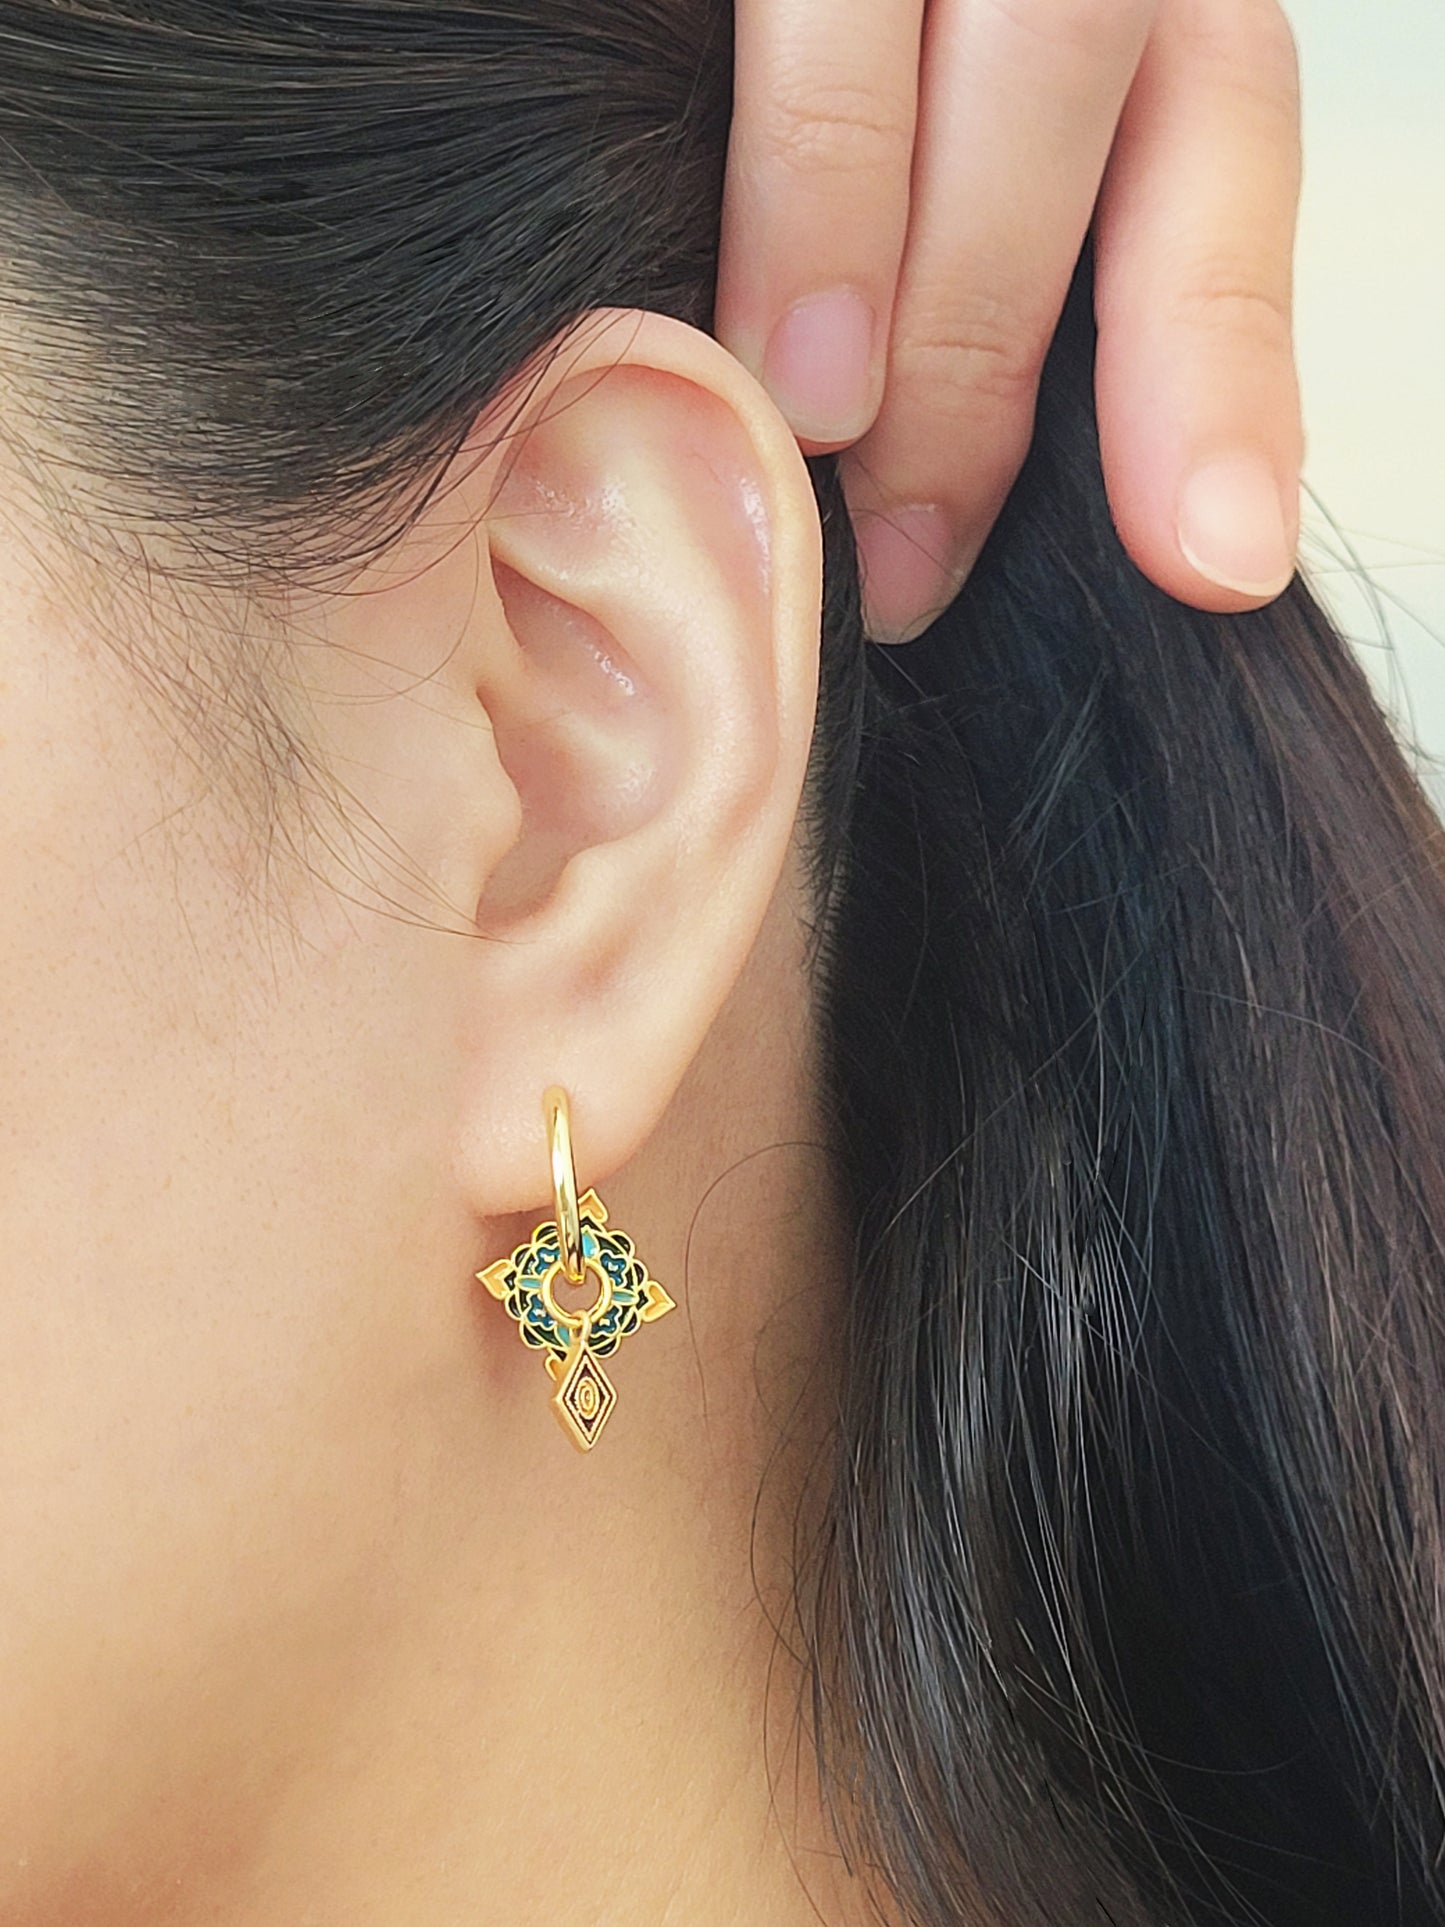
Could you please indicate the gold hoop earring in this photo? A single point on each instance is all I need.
(564, 1250)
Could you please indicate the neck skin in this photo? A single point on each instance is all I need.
(575, 1699)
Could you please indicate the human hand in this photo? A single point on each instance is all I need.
(909, 186)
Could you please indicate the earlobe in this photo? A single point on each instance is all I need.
(654, 548)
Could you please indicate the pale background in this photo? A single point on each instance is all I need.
(1371, 330)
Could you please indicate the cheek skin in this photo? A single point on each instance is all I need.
(211, 1293)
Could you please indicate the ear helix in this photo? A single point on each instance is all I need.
(566, 1249)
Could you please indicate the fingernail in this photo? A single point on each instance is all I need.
(818, 366)
(911, 570)
(1231, 525)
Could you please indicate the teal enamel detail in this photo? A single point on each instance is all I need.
(531, 1264)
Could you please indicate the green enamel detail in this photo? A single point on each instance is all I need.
(531, 1263)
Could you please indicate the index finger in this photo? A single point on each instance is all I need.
(816, 203)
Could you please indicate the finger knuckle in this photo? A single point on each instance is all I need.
(1252, 46)
(1228, 304)
(832, 124)
(977, 356)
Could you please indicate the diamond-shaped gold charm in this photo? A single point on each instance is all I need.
(585, 1398)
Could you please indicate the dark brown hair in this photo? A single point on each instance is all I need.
(1131, 953)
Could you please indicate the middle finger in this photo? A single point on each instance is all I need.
(1018, 106)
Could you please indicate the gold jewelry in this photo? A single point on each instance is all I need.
(566, 1249)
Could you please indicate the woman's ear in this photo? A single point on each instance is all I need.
(636, 625)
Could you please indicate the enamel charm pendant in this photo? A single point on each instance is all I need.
(576, 1249)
